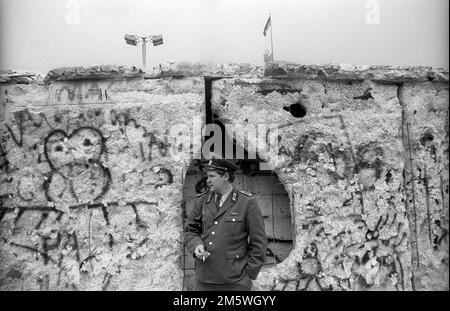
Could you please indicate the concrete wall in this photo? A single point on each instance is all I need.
(91, 199)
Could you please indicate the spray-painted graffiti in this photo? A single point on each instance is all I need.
(77, 173)
(80, 93)
(138, 135)
(75, 155)
(25, 122)
(156, 177)
(352, 214)
(78, 247)
(59, 197)
(308, 270)
(4, 163)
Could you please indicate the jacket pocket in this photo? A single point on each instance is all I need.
(234, 224)
(236, 261)
(233, 219)
(237, 254)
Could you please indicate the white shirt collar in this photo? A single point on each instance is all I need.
(224, 196)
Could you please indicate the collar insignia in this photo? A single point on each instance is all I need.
(234, 197)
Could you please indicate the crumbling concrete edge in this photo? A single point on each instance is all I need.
(275, 70)
(346, 72)
(17, 77)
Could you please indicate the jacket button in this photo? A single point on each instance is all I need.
(237, 256)
(234, 219)
(215, 222)
(210, 243)
(213, 233)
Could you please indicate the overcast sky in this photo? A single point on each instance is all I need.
(40, 35)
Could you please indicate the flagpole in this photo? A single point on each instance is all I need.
(144, 53)
(271, 39)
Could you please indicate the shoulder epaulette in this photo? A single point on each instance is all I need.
(200, 194)
(246, 193)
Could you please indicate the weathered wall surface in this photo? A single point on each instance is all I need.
(362, 219)
(91, 198)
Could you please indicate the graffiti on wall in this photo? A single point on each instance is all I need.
(56, 187)
(74, 160)
(351, 214)
(75, 248)
(80, 93)
(138, 135)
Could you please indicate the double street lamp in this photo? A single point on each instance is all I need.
(134, 40)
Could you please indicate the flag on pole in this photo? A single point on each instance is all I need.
(268, 24)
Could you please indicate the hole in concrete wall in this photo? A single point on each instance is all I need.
(297, 110)
(87, 142)
(273, 201)
(426, 137)
(366, 96)
(254, 176)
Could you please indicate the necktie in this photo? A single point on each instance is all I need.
(219, 196)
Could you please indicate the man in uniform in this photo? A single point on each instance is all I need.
(225, 233)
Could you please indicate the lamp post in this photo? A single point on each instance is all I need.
(134, 40)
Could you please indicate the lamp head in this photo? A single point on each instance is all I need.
(131, 39)
(157, 40)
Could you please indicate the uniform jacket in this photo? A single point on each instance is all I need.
(234, 235)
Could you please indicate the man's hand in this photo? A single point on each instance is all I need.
(200, 252)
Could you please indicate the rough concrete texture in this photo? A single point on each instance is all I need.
(426, 132)
(352, 73)
(11, 76)
(94, 72)
(90, 198)
(343, 165)
(164, 70)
